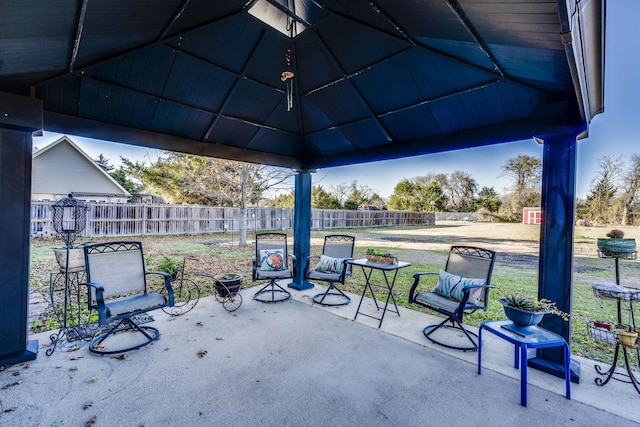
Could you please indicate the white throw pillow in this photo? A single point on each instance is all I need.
(329, 264)
(450, 286)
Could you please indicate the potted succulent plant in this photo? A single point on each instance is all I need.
(527, 311)
(380, 257)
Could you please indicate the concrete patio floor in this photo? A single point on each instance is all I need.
(295, 363)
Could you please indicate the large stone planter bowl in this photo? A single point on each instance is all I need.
(617, 248)
(76, 259)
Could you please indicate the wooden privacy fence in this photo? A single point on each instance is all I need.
(110, 219)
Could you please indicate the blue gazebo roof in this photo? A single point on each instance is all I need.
(372, 79)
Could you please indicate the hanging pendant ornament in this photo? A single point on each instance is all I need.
(287, 77)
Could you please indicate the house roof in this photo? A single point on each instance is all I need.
(62, 167)
(372, 79)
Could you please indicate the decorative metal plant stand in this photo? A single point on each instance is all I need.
(69, 219)
(70, 306)
(622, 296)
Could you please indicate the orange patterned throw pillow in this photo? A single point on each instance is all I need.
(272, 259)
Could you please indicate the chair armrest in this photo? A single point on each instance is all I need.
(307, 264)
(167, 284)
(99, 301)
(254, 268)
(161, 273)
(467, 292)
(345, 268)
(416, 282)
(294, 264)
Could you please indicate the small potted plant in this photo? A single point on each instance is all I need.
(527, 311)
(602, 330)
(380, 257)
(231, 281)
(628, 337)
(603, 324)
(169, 265)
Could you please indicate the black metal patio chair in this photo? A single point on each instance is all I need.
(117, 286)
(270, 264)
(462, 287)
(331, 267)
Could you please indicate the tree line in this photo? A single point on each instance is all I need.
(191, 179)
(613, 194)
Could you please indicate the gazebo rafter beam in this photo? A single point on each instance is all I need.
(78, 37)
(464, 19)
(173, 20)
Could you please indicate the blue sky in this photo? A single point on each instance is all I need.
(614, 132)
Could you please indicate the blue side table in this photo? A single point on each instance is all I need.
(524, 338)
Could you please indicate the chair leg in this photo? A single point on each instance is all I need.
(124, 325)
(455, 324)
(274, 289)
(342, 298)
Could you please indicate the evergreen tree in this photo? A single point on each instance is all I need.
(282, 201)
(103, 162)
(322, 199)
(487, 198)
(601, 198)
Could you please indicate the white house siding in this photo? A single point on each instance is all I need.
(62, 168)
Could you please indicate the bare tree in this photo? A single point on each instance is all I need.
(255, 180)
(458, 186)
(186, 178)
(631, 186)
(526, 171)
(441, 179)
(461, 189)
(341, 192)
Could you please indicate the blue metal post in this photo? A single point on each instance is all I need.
(555, 278)
(302, 228)
(20, 117)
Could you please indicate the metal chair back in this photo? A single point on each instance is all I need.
(339, 246)
(117, 267)
(270, 241)
(468, 261)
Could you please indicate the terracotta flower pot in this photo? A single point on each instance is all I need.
(381, 259)
(602, 324)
